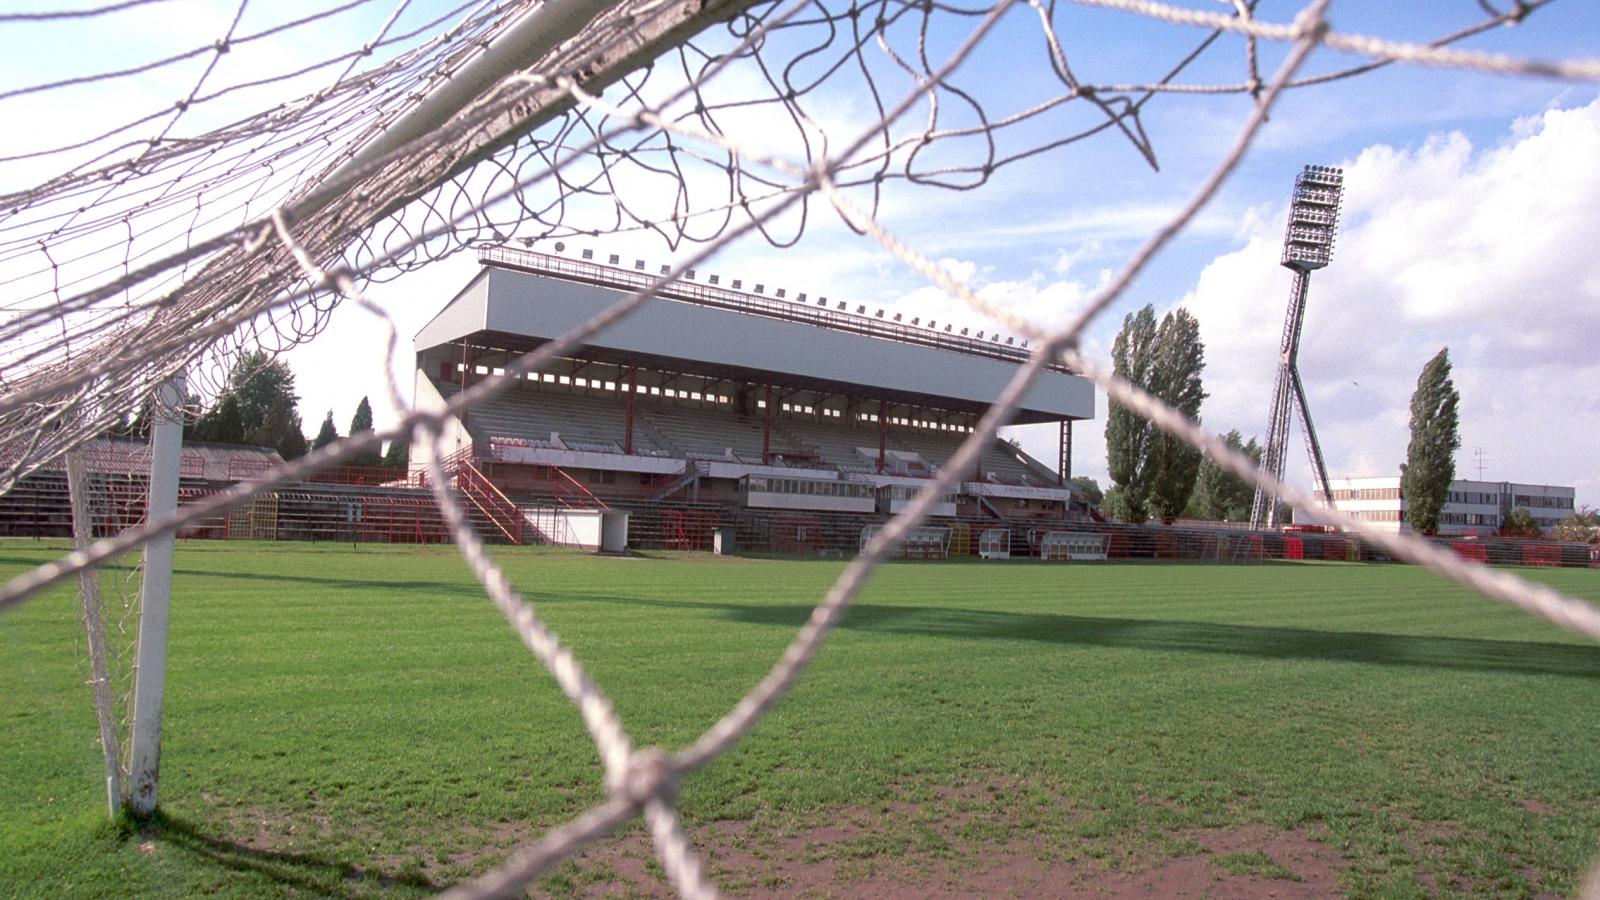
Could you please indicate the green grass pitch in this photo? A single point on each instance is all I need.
(354, 721)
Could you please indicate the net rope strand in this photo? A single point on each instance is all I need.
(281, 275)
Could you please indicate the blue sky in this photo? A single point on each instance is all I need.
(1457, 184)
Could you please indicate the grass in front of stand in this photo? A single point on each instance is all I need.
(344, 721)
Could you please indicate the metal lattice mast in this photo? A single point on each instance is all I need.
(1307, 245)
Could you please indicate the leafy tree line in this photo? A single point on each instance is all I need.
(1220, 495)
(1583, 525)
(258, 409)
(1155, 474)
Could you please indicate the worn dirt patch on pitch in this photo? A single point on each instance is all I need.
(863, 854)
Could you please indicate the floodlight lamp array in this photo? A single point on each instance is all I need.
(1313, 218)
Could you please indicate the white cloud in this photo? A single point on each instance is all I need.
(1488, 251)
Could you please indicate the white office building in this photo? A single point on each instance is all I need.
(1472, 507)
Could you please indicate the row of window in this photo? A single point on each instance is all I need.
(809, 488)
(1491, 520)
(1540, 501)
(1480, 498)
(1365, 494)
(1450, 518)
(599, 384)
(909, 491)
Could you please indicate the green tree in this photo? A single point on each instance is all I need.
(1220, 495)
(1430, 463)
(1149, 469)
(223, 423)
(1583, 526)
(1173, 463)
(398, 455)
(140, 426)
(258, 386)
(1128, 434)
(1520, 523)
(257, 382)
(1089, 488)
(327, 434)
(1115, 505)
(360, 423)
(280, 430)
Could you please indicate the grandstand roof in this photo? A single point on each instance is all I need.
(522, 299)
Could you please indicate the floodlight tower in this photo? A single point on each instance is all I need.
(1307, 246)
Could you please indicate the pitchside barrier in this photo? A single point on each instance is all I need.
(39, 507)
(364, 513)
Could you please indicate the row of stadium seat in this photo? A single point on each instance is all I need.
(702, 433)
(599, 421)
(999, 463)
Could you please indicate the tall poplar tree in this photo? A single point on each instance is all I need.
(1127, 433)
(1150, 470)
(361, 422)
(327, 434)
(1430, 463)
(399, 453)
(1174, 463)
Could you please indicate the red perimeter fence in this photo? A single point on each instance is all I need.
(377, 507)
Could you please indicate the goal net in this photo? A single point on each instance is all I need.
(256, 184)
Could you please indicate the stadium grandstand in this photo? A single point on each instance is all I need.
(793, 422)
(719, 416)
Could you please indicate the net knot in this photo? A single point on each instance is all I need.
(649, 775)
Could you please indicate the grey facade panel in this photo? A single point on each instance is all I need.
(465, 314)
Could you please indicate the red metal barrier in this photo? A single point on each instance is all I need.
(1541, 555)
(688, 529)
(550, 482)
(796, 534)
(247, 468)
(1470, 550)
(1293, 547)
(368, 475)
(401, 520)
(504, 514)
